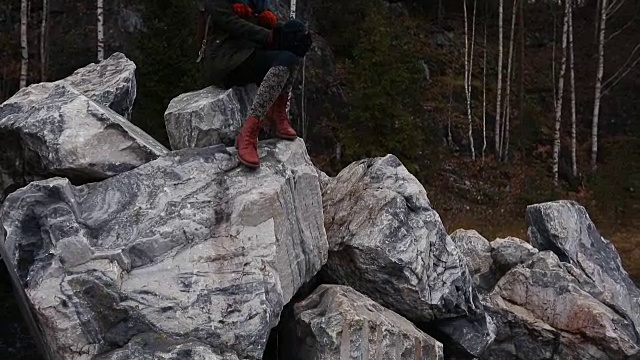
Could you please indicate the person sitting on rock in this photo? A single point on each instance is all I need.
(245, 44)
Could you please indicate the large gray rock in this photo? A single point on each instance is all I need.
(565, 228)
(191, 250)
(387, 242)
(51, 129)
(338, 323)
(154, 347)
(111, 82)
(510, 252)
(324, 179)
(207, 117)
(477, 251)
(542, 311)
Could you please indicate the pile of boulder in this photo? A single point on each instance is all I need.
(120, 248)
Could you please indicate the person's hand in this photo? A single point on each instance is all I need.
(274, 42)
(296, 37)
(242, 10)
(292, 36)
(301, 45)
(293, 27)
(267, 19)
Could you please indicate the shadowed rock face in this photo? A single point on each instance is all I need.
(387, 242)
(51, 129)
(336, 322)
(510, 252)
(16, 341)
(477, 251)
(189, 253)
(544, 310)
(489, 261)
(565, 228)
(111, 83)
(207, 117)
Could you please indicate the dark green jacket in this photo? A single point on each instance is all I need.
(231, 40)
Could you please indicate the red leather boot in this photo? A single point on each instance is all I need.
(277, 117)
(247, 142)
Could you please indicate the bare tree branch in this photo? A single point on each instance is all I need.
(631, 22)
(614, 6)
(622, 71)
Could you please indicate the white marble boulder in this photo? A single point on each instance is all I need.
(510, 252)
(546, 309)
(207, 117)
(337, 322)
(110, 82)
(388, 243)
(477, 251)
(190, 253)
(565, 228)
(52, 129)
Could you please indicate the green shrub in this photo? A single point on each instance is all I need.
(165, 57)
(384, 88)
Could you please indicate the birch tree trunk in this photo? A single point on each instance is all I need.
(574, 163)
(563, 66)
(507, 98)
(43, 40)
(521, 78)
(484, 88)
(24, 43)
(598, 15)
(500, 43)
(449, 136)
(100, 16)
(466, 53)
(469, 70)
(553, 56)
(598, 87)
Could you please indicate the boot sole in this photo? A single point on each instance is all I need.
(287, 137)
(247, 164)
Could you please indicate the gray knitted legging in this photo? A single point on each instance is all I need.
(279, 80)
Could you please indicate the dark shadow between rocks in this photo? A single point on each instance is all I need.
(452, 351)
(285, 332)
(17, 341)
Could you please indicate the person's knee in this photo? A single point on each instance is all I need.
(286, 58)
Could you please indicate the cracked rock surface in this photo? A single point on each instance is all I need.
(477, 252)
(544, 310)
(565, 228)
(111, 83)
(207, 117)
(337, 322)
(187, 254)
(510, 252)
(388, 243)
(51, 129)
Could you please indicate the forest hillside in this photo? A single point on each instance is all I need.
(426, 81)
